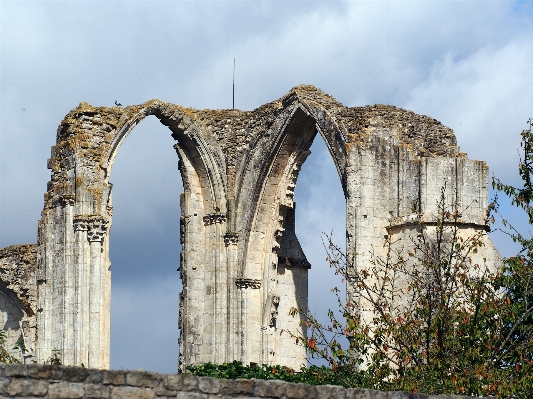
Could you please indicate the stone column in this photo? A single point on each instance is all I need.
(231, 241)
(81, 249)
(69, 294)
(96, 232)
(215, 288)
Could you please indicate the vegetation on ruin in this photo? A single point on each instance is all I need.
(442, 322)
(313, 375)
(5, 355)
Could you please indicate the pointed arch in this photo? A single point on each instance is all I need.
(239, 170)
(265, 183)
(274, 160)
(194, 144)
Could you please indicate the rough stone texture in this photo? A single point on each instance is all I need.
(18, 297)
(241, 264)
(38, 381)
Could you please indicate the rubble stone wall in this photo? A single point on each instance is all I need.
(18, 298)
(55, 382)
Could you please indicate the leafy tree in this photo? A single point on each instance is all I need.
(516, 279)
(431, 316)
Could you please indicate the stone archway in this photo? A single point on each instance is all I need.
(272, 273)
(73, 260)
(240, 263)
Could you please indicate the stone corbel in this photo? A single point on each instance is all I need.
(213, 218)
(291, 262)
(290, 190)
(248, 283)
(277, 239)
(182, 230)
(231, 239)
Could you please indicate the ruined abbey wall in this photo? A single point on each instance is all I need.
(241, 264)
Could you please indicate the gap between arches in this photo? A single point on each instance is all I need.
(144, 251)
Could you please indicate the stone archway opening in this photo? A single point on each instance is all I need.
(145, 250)
(321, 208)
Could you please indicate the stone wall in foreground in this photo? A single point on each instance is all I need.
(47, 381)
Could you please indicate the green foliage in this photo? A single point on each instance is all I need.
(422, 319)
(5, 356)
(55, 357)
(516, 281)
(312, 375)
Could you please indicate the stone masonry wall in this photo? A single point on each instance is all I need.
(54, 382)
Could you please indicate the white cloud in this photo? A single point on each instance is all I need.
(486, 98)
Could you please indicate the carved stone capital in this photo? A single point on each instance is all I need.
(97, 228)
(212, 218)
(274, 311)
(81, 223)
(231, 239)
(248, 283)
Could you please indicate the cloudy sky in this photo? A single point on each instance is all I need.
(467, 64)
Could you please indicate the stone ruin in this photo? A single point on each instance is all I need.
(241, 264)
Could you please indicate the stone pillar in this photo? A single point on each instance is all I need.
(55, 282)
(81, 258)
(231, 241)
(215, 288)
(69, 283)
(97, 318)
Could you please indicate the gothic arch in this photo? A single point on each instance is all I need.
(194, 147)
(274, 159)
(75, 263)
(239, 170)
(265, 184)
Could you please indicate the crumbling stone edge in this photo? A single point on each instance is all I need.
(51, 381)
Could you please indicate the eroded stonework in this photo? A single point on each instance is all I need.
(241, 264)
(18, 298)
